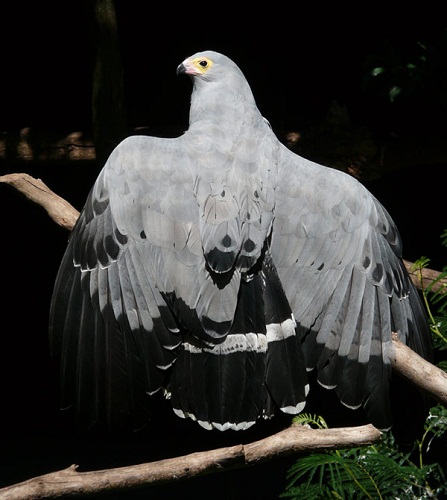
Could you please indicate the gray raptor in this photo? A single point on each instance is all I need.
(220, 267)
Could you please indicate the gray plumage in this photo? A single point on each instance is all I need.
(218, 266)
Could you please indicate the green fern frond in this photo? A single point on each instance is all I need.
(435, 425)
(419, 264)
(439, 330)
(439, 296)
(434, 297)
(310, 420)
(444, 238)
(394, 473)
(371, 472)
(308, 492)
(344, 476)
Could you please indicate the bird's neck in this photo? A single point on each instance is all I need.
(222, 110)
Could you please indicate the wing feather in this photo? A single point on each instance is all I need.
(115, 332)
(341, 269)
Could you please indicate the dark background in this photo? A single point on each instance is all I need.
(297, 61)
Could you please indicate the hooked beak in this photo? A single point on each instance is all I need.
(187, 68)
(181, 69)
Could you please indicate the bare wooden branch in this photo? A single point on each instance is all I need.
(419, 371)
(35, 190)
(294, 439)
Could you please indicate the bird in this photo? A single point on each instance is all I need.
(219, 268)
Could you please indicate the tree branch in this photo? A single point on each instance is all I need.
(418, 371)
(35, 190)
(294, 439)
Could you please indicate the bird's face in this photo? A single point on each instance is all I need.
(195, 66)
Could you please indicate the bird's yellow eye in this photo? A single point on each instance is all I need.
(203, 64)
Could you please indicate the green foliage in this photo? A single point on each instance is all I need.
(435, 295)
(417, 70)
(369, 472)
(381, 471)
(398, 72)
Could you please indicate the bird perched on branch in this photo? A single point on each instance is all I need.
(220, 267)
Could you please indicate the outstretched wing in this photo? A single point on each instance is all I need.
(108, 320)
(338, 254)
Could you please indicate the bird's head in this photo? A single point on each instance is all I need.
(220, 91)
(209, 66)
